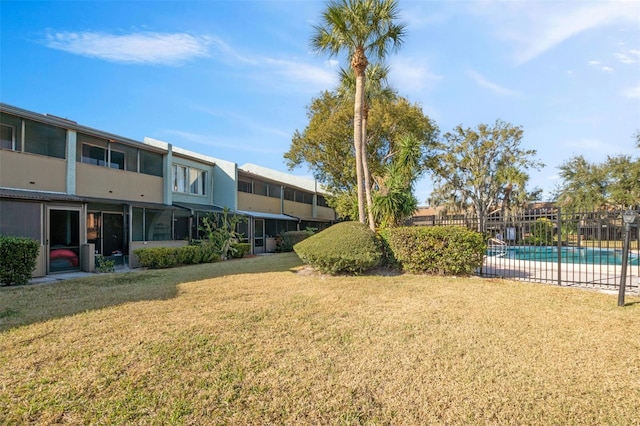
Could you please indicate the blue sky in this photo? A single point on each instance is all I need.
(232, 79)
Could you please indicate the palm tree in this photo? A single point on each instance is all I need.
(395, 201)
(361, 28)
(376, 87)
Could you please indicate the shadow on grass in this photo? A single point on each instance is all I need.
(23, 305)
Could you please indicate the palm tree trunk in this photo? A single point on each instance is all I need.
(365, 169)
(359, 64)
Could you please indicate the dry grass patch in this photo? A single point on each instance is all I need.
(280, 347)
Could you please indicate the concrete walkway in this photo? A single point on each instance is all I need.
(63, 276)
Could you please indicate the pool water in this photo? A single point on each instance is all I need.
(578, 255)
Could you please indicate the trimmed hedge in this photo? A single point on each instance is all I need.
(344, 247)
(19, 256)
(290, 238)
(170, 257)
(240, 250)
(443, 250)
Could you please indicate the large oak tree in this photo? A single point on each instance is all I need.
(479, 168)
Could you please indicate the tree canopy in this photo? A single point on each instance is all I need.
(482, 169)
(586, 186)
(326, 147)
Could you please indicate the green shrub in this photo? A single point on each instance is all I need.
(290, 238)
(209, 251)
(222, 234)
(104, 265)
(444, 250)
(157, 257)
(388, 259)
(19, 257)
(541, 233)
(239, 250)
(344, 247)
(189, 255)
(170, 257)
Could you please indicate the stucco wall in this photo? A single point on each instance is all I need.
(297, 209)
(19, 170)
(258, 203)
(103, 182)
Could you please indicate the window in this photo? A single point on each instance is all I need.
(322, 202)
(101, 152)
(179, 178)
(94, 155)
(10, 132)
(289, 194)
(196, 181)
(20, 219)
(259, 187)
(244, 186)
(151, 224)
(274, 190)
(44, 139)
(188, 180)
(304, 197)
(7, 137)
(181, 225)
(151, 163)
(116, 160)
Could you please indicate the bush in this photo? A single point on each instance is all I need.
(541, 233)
(388, 259)
(104, 265)
(290, 238)
(189, 255)
(344, 247)
(157, 257)
(19, 257)
(170, 257)
(239, 250)
(444, 250)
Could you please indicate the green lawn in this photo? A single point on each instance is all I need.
(263, 341)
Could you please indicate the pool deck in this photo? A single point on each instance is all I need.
(599, 277)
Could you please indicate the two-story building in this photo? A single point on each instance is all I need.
(82, 192)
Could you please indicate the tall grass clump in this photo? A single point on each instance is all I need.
(346, 247)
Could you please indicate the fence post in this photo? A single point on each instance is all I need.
(628, 218)
(559, 225)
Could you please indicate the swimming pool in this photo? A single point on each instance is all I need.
(576, 255)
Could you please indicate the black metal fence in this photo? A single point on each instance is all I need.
(547, 245)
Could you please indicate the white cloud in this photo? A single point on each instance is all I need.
(137, 48)
(208, 140)
(536, 27)
(497, 89)
(603, 68)
(175, 48)
(633, 93)
(631, 56)
(302, 72)
(231, 54)
(243, 121)
(410, 75)
(589, 145)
